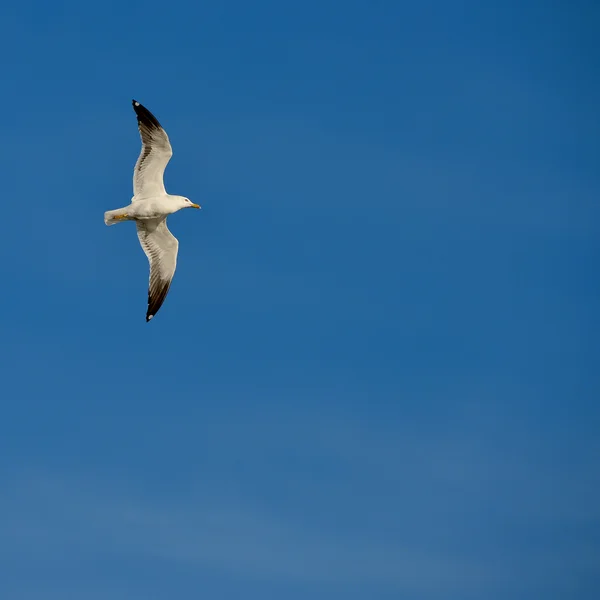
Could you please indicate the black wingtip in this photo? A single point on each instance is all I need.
(144, 116)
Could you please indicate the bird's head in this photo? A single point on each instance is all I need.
(187, 203)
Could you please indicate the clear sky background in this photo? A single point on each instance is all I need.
(376, 374)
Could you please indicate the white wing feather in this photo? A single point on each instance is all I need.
(154, 156)
(161, 247)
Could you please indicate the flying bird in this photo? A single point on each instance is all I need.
(150, 207)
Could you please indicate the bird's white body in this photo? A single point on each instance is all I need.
(150, 207)
(154, 207)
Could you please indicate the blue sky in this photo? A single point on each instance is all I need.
(376, 373)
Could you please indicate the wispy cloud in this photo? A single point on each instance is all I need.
(52, 518)
(440, 513)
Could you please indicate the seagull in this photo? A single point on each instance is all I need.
(150, 207)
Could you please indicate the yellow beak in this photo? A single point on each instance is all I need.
(196, 206)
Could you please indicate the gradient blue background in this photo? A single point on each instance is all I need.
(376, 374)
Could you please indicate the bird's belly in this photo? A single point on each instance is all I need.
(152, 208)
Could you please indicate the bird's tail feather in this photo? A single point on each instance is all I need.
(111, 217)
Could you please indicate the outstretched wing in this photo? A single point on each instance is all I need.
(156, 153)
(160, 246)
